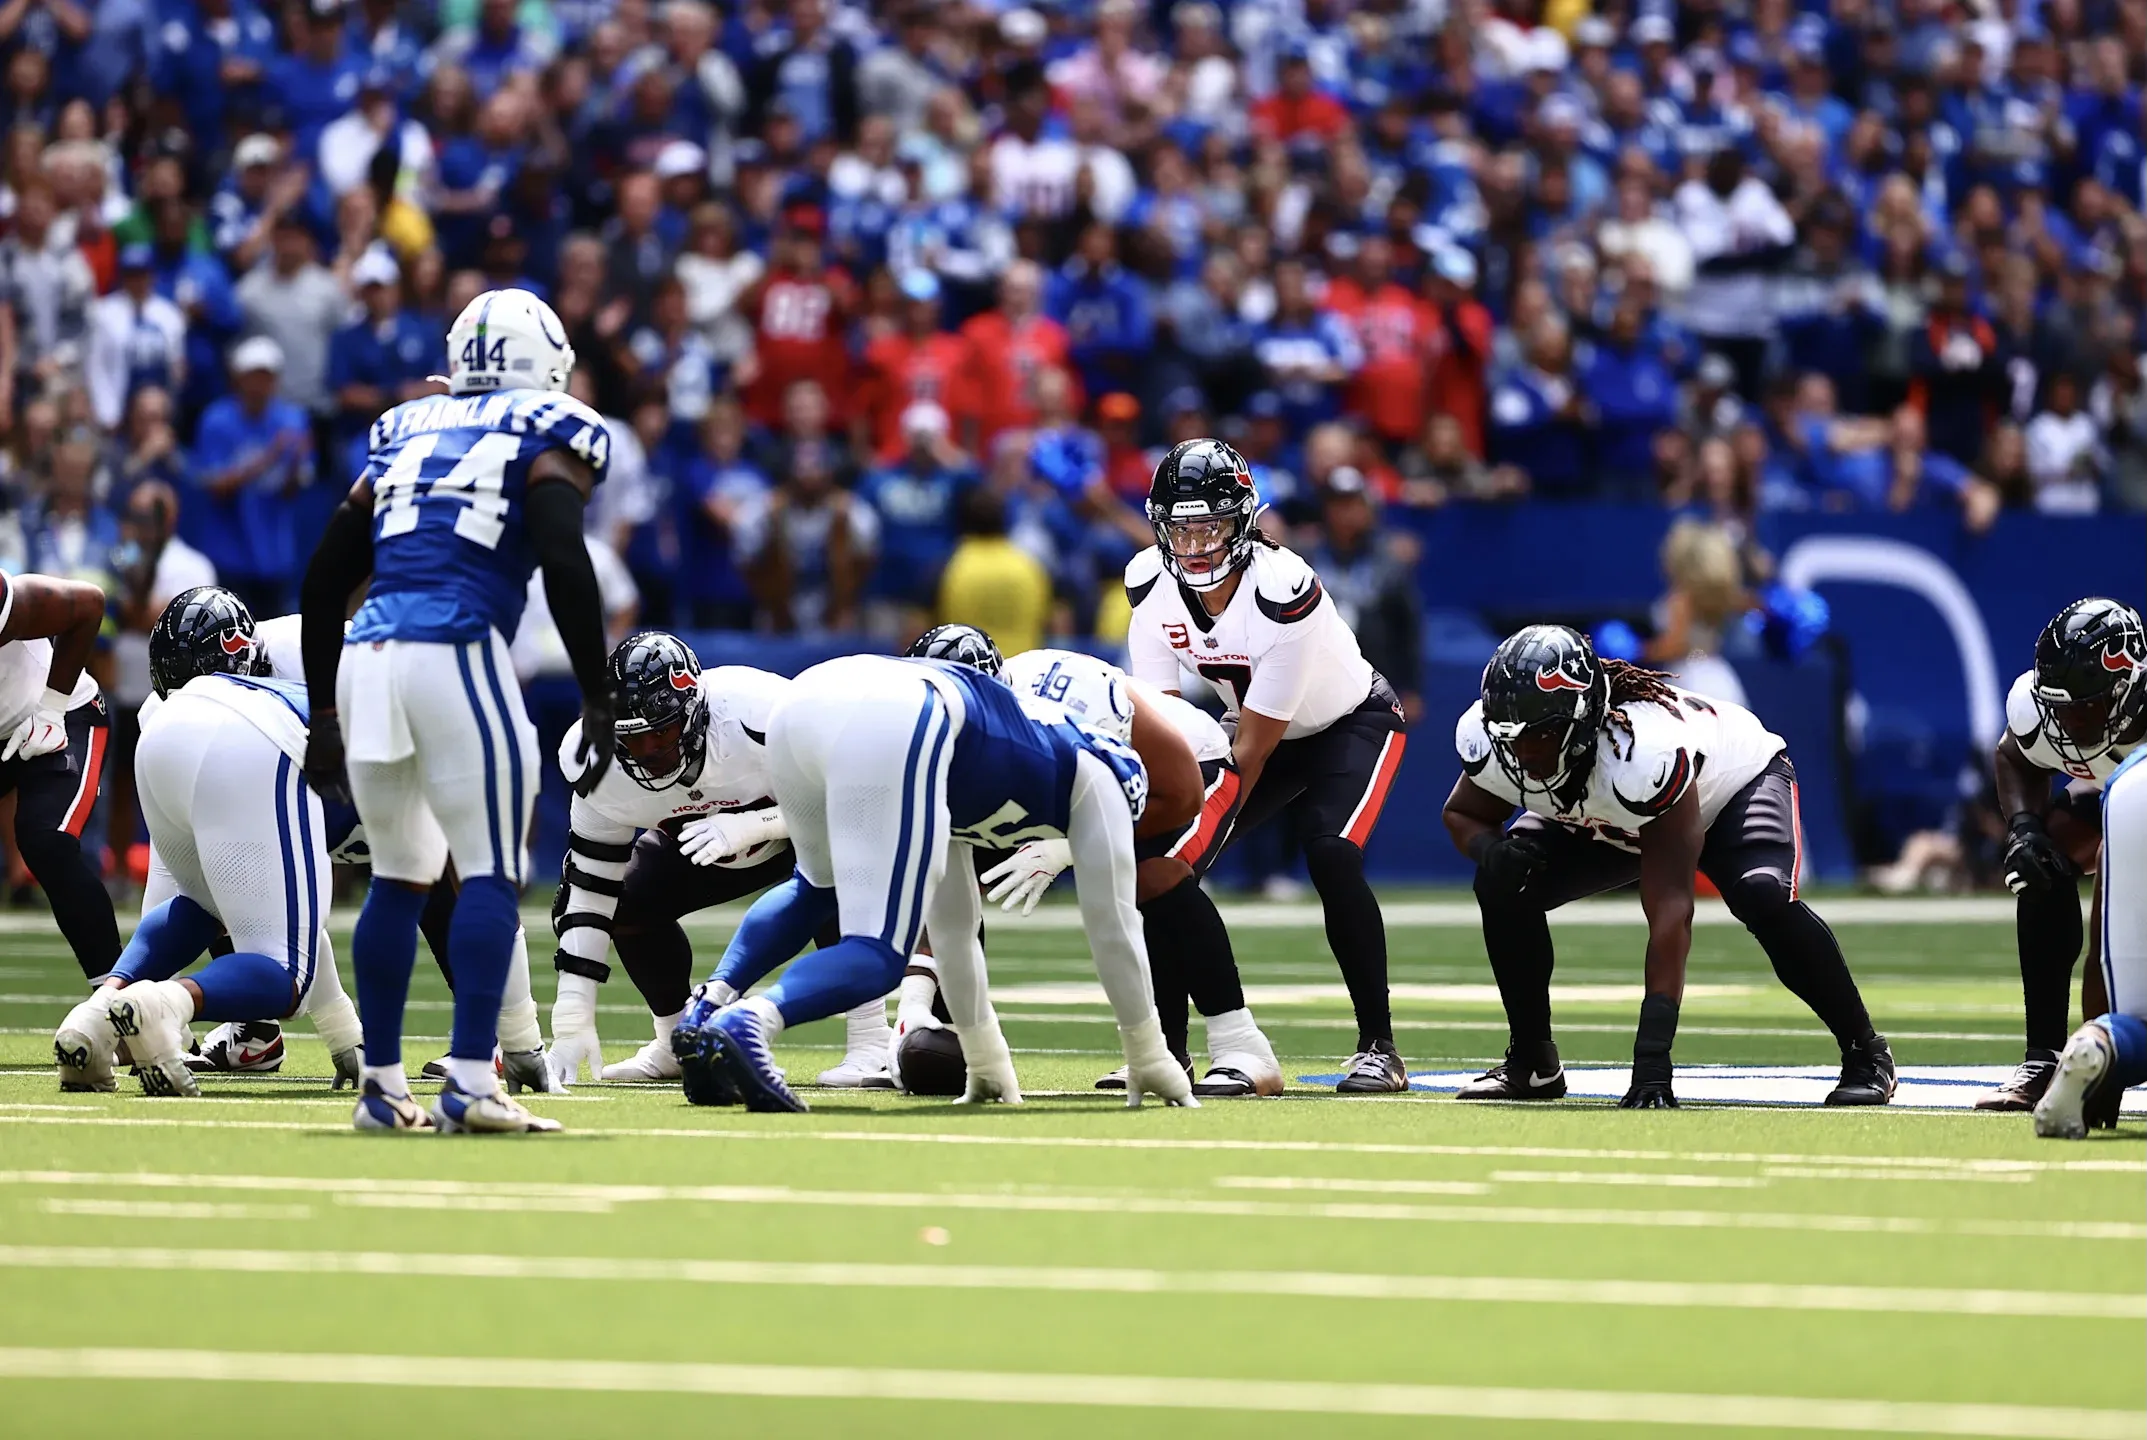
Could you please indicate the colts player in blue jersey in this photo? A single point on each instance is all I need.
(889, 772)
(416, 714)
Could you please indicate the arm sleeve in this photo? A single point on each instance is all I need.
(952, 918)
(590, 883)
(1100, 834)
(341, 562)
(555, 533)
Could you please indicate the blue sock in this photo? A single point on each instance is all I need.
(244, 985)
(170, 938)
(383, 948)
(2128, 1036)
(842, 977)
(480, 939)
(776, 926)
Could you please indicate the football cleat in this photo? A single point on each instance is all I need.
(1375, 1071)
(653, 1061)
(1867, 1074)
(700, 1069)
(739, 1047)
(437, 1069)
(2026, 1085)
(84, 1045)
(1116, 1080)
(245, 1047)
(859, 1067)
(148, 1019)
(457, 1113)
(2062, 1112)
(1238, 1076)
(1529, 1072)
(526, 1070)
(349, 1068)
(378, 1110)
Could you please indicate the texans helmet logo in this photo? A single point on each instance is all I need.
(1558, 680)
(235, 642)
(683, 680)
(1245, 477)
(2118, 660)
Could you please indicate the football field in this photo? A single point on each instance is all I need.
(1310, 1265)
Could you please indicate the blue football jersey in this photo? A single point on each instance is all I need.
(450, 473)
(1012, 773)
(339, 822)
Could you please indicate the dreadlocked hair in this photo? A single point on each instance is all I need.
(1630, 685)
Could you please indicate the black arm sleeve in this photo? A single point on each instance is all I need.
(555, 517)
(339, 565)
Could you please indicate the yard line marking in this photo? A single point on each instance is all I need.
(1334, 1285)
(1360, 1187)
(1502, 1177)
(1880, 1170)
(1109, 1204)
(574, 1204)
(92, 1116)
(1090, 993)
(1167, 1392)
(173, 1210)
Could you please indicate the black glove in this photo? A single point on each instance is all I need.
(325, 770)
(1648, 1095)
(1514, 859)
(2032, 859)
(594, 756)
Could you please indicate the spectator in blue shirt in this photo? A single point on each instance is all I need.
(474, 171)
(1309, 353)
(212, 57)
(1635, 398)
(716, 487)
(496, 50)
(201, 287)
(1537, 414)
(917, 499)
(1107, 313)
(320, 81)
(1829, 308)
(378, 360)
(252, 455)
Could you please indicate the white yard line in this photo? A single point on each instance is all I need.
(171, 1209)
(1338, 1285)
(1175, 1206)
(1171, 1392)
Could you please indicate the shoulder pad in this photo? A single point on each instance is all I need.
(2022, 716)
(1142, 573)
(1471, 742)
(1658, 768)
(1283, 585)
(559, 416)
(569, 764)
(745, 696)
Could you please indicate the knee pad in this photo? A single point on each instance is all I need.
(1759, 897)
(1330, 857)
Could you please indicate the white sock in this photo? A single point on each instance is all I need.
(473, 1077)
(517, 1010)
(181, 997)
(865, 1029)
(913, 1001)
(771, 1019)
(389, 1078)
(336, 1022)
(1233, 1032)
(665, 1024)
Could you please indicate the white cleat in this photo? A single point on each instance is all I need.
(1116, 1080)
(859, 1070)
(1240, 1075)
(455, 1113)
(148, 1018)
(2062, 1112)
(85, 1043)
(654, 1061)
(378, 1110)
(526, 1070)
(243, 1047)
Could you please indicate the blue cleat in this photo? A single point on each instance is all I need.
(700, 1070)
(378, 1110)
(737, 1044)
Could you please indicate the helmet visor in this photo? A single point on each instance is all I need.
(653, 753)
(1202, 547)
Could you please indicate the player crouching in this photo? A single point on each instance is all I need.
(1625, 777)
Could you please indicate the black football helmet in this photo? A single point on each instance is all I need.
(963, 644)
(204, 631)
(1202, 505)
(2088, 686)
(1545, 694)
(661, 732)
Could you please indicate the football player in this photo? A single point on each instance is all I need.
(888, 771)
(2076, 715)
(1318, 733)
(462, 496)
(1623, 778)
(2109, 1053)
(1189, 951)
(690, 779)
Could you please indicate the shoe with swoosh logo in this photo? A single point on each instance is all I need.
(1529, 1072)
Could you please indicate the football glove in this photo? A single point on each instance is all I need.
(990, 1065)
(1649, 1095)
(574, 1038)
(1514, 859)
(1023, 877)
(2032, 859)
(43, 731)
(593, 755)
(715, 839)
(325, 769)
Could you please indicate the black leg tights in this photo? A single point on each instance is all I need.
(1356, 932)
(1806, 957)
(2047, 923)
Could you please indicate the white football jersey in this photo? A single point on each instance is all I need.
(279, 641)
(1711, 744)
(1280, 647)
(1095, 691)
(734, 776)
(25, 665)
(2025, 720)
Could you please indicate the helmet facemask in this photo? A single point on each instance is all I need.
(657, 754)
(2081, 730)
(1203, 550)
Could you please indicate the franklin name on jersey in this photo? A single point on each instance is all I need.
(1279, 646)
(1707, 743)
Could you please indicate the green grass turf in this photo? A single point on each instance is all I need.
(1734, 1196)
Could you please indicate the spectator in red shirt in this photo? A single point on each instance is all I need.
(1296, 109)
(1008, 347)
(1127, 468)
(800, 312)
(1458, 377)
(1399, 333)
(918, 364)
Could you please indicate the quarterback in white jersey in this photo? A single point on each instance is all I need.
(1623, 777)
(2075, 716)
(1189, 954)
(691, 782)
(1317, 733)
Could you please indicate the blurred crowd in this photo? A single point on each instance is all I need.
(891, 307)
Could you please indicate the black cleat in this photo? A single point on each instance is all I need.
(1529, 1072)
(1867, 1074)
(2026, 1085)
(1375, 1070)
(701, 1072)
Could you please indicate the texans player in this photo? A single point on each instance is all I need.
(685, 820)
(1623, 778)
(1318, 733)
(2074, 718)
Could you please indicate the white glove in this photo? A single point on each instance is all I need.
(990, 1065)
(1023, 877)
(574, 1039)
(42, 733)
(712, 839)
(1152, 1068)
